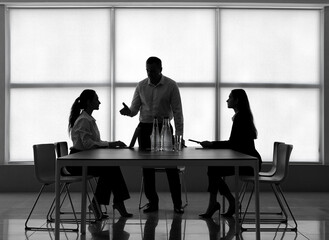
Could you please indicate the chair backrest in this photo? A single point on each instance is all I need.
(275, 159)
(134, 138)
(44, 162)
(61, 149)
(283, 157)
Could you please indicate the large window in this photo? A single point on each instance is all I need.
(273, 54)
(54, 55)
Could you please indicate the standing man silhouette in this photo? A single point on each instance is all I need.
(157, 96)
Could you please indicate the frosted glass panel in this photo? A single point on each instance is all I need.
(270, 46)
(184, 39)
(41, 116)
(59, 45)
(198, 109)
(124, 126)
(285, 115)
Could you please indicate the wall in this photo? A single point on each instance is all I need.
(21, 177)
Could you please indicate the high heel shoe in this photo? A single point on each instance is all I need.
(96, 211)
(209, 213)
(120, 207)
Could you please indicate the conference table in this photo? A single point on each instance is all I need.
(190, 157)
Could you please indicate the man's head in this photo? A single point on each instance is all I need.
(154, 69)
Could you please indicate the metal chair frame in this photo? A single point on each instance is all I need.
(62, 150)
(283, 152)
(44, 162)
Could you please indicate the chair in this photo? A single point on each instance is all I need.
(44, 164)
(274, 161)
(283, 153)
(262, 173)
(62, 150)
(267, 173)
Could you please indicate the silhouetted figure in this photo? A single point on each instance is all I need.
(150, 225)
(241, 139)
(215, 229)
(152, 221)
(98, 230)
(157, 96)
(85, 136)
(118, 230)
(176, 228)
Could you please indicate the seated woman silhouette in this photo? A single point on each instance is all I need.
(243, 134)
(85, 135)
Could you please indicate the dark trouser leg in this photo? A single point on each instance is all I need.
(216, 182)
(118, 185)
(149, 185)
(144, 142)
(110, 179)
(175, 186)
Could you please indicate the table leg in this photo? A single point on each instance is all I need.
(256, 168)
(58, 200)
(237, 224)
(83, 200)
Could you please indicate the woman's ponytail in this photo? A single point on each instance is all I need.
(79, 104)
(75, 112)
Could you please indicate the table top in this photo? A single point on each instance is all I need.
(135, 157)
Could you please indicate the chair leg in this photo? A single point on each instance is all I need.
(276, 193)
(32, 228)
(242, 193)
(285, 201)
(141, 195)
(248, 203)
(51, 211)
(69, 195)
(52, 207)
(185, 189)
(279, 197)
(35, 203)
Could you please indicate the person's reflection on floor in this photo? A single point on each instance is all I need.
(215, 229)
(176, 228)
(150, 225)
(118, 230)
(99, 232)
(231, 228)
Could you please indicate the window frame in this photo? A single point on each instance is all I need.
(322, 86)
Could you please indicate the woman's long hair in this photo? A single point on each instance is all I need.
(80, 104)
(243, 106)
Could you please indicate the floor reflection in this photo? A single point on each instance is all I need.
(311, 215)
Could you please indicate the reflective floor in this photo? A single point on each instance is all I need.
(310, 209)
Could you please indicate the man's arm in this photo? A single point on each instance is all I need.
(135, 105)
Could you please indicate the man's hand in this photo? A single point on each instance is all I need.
(125, 110)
